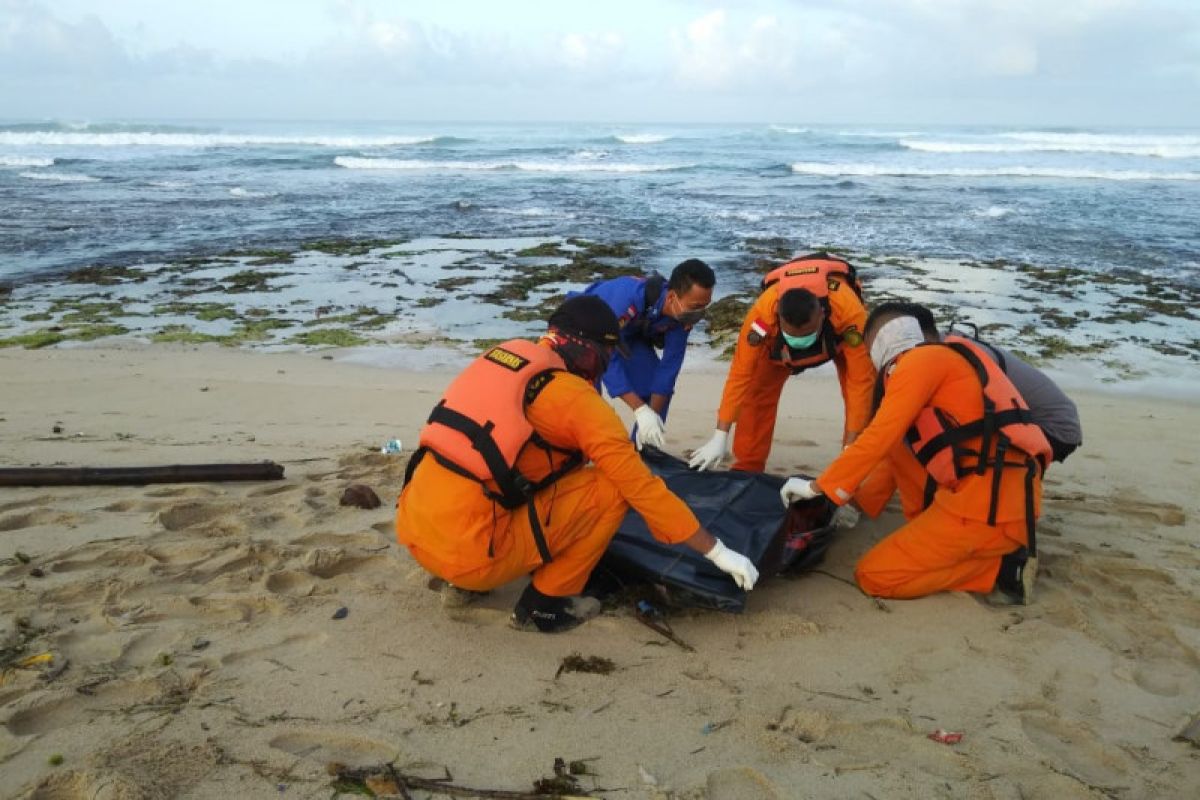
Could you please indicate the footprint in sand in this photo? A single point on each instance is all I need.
(290, 582)
(32, 519)
(329, 562)
(184, 491)
(41, 500)
(291, 644)
(340, 539)
(1076, 747)
(271, 491)
(190, 514)
(324, 746)
(47, 714)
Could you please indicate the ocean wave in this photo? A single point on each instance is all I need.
(203, 140)
(25, 161)
(355, 162)
(1105, 145)
(247, 194)
(59, 177)
(878, 170)
(786, 129)
(880, 134)
(641, 138)
(992, 212)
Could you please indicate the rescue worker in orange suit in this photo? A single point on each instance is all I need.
(809, 313)
(953, 434)
(524, 468)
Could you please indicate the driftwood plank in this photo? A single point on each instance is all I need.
(136, 476)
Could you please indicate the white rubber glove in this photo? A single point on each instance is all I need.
(711, 452)
(734, 564)
(798, 489)
(650, 428)
(846, 516)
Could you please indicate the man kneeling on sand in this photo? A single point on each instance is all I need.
(954, 435)
(524, 468)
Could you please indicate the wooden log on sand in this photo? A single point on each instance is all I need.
(137, 476)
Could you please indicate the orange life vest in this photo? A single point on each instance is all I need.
(819, 273)
(479, 429)
(1005, 437)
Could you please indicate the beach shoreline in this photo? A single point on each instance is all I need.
(205, 659)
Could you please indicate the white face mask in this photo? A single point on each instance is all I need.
(893, 338)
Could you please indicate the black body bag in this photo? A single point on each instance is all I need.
(742, 509)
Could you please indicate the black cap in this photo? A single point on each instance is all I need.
(588, 317)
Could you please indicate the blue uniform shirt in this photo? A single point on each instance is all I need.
(644, 373)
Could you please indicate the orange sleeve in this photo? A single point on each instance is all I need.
(858, 379)
(746, 357)
(570, 413)
(914, 378)
(875, 491)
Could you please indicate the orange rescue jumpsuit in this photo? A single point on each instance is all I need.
(755, 382)
(448, 524)
(948, 546)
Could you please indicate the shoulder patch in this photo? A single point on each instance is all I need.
(833, 284)
(758, 332)
(507, 359)
(852, 337)
(536, 384)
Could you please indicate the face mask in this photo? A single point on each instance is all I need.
(684, 317)
(801, 342)
(894, 337)
(587, 359)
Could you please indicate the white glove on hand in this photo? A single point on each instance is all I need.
(734, 564)
(711, 453)
(846, 517)
(798, 489)
(650, 428)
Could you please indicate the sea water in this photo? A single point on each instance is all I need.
(83, 193)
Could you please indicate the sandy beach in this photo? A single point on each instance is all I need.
(196, 653)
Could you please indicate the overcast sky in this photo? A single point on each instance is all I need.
(1037, 62)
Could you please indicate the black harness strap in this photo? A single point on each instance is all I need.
(515, 489)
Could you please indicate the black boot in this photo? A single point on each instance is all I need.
(1018, 570)
(542, 612)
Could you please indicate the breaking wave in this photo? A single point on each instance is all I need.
(355, 162)
(1187, 147)
(203, 140)
(59, 177)
(877, 170)
(25, 161)
(641, 138)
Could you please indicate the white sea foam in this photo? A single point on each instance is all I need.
(992, 212)
(879, 170)
(25, 161)
(238, 191)
(1105, 145)
(355, 162)
(786, 129)
(591, 155)
(641, 138)
(59, 177)
(880, 134)
(147, 139)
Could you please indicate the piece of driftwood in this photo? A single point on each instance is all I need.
(402, 783)
(137, 476)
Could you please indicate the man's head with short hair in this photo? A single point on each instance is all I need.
(692, 272)
(800, 312)
(689, 291)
